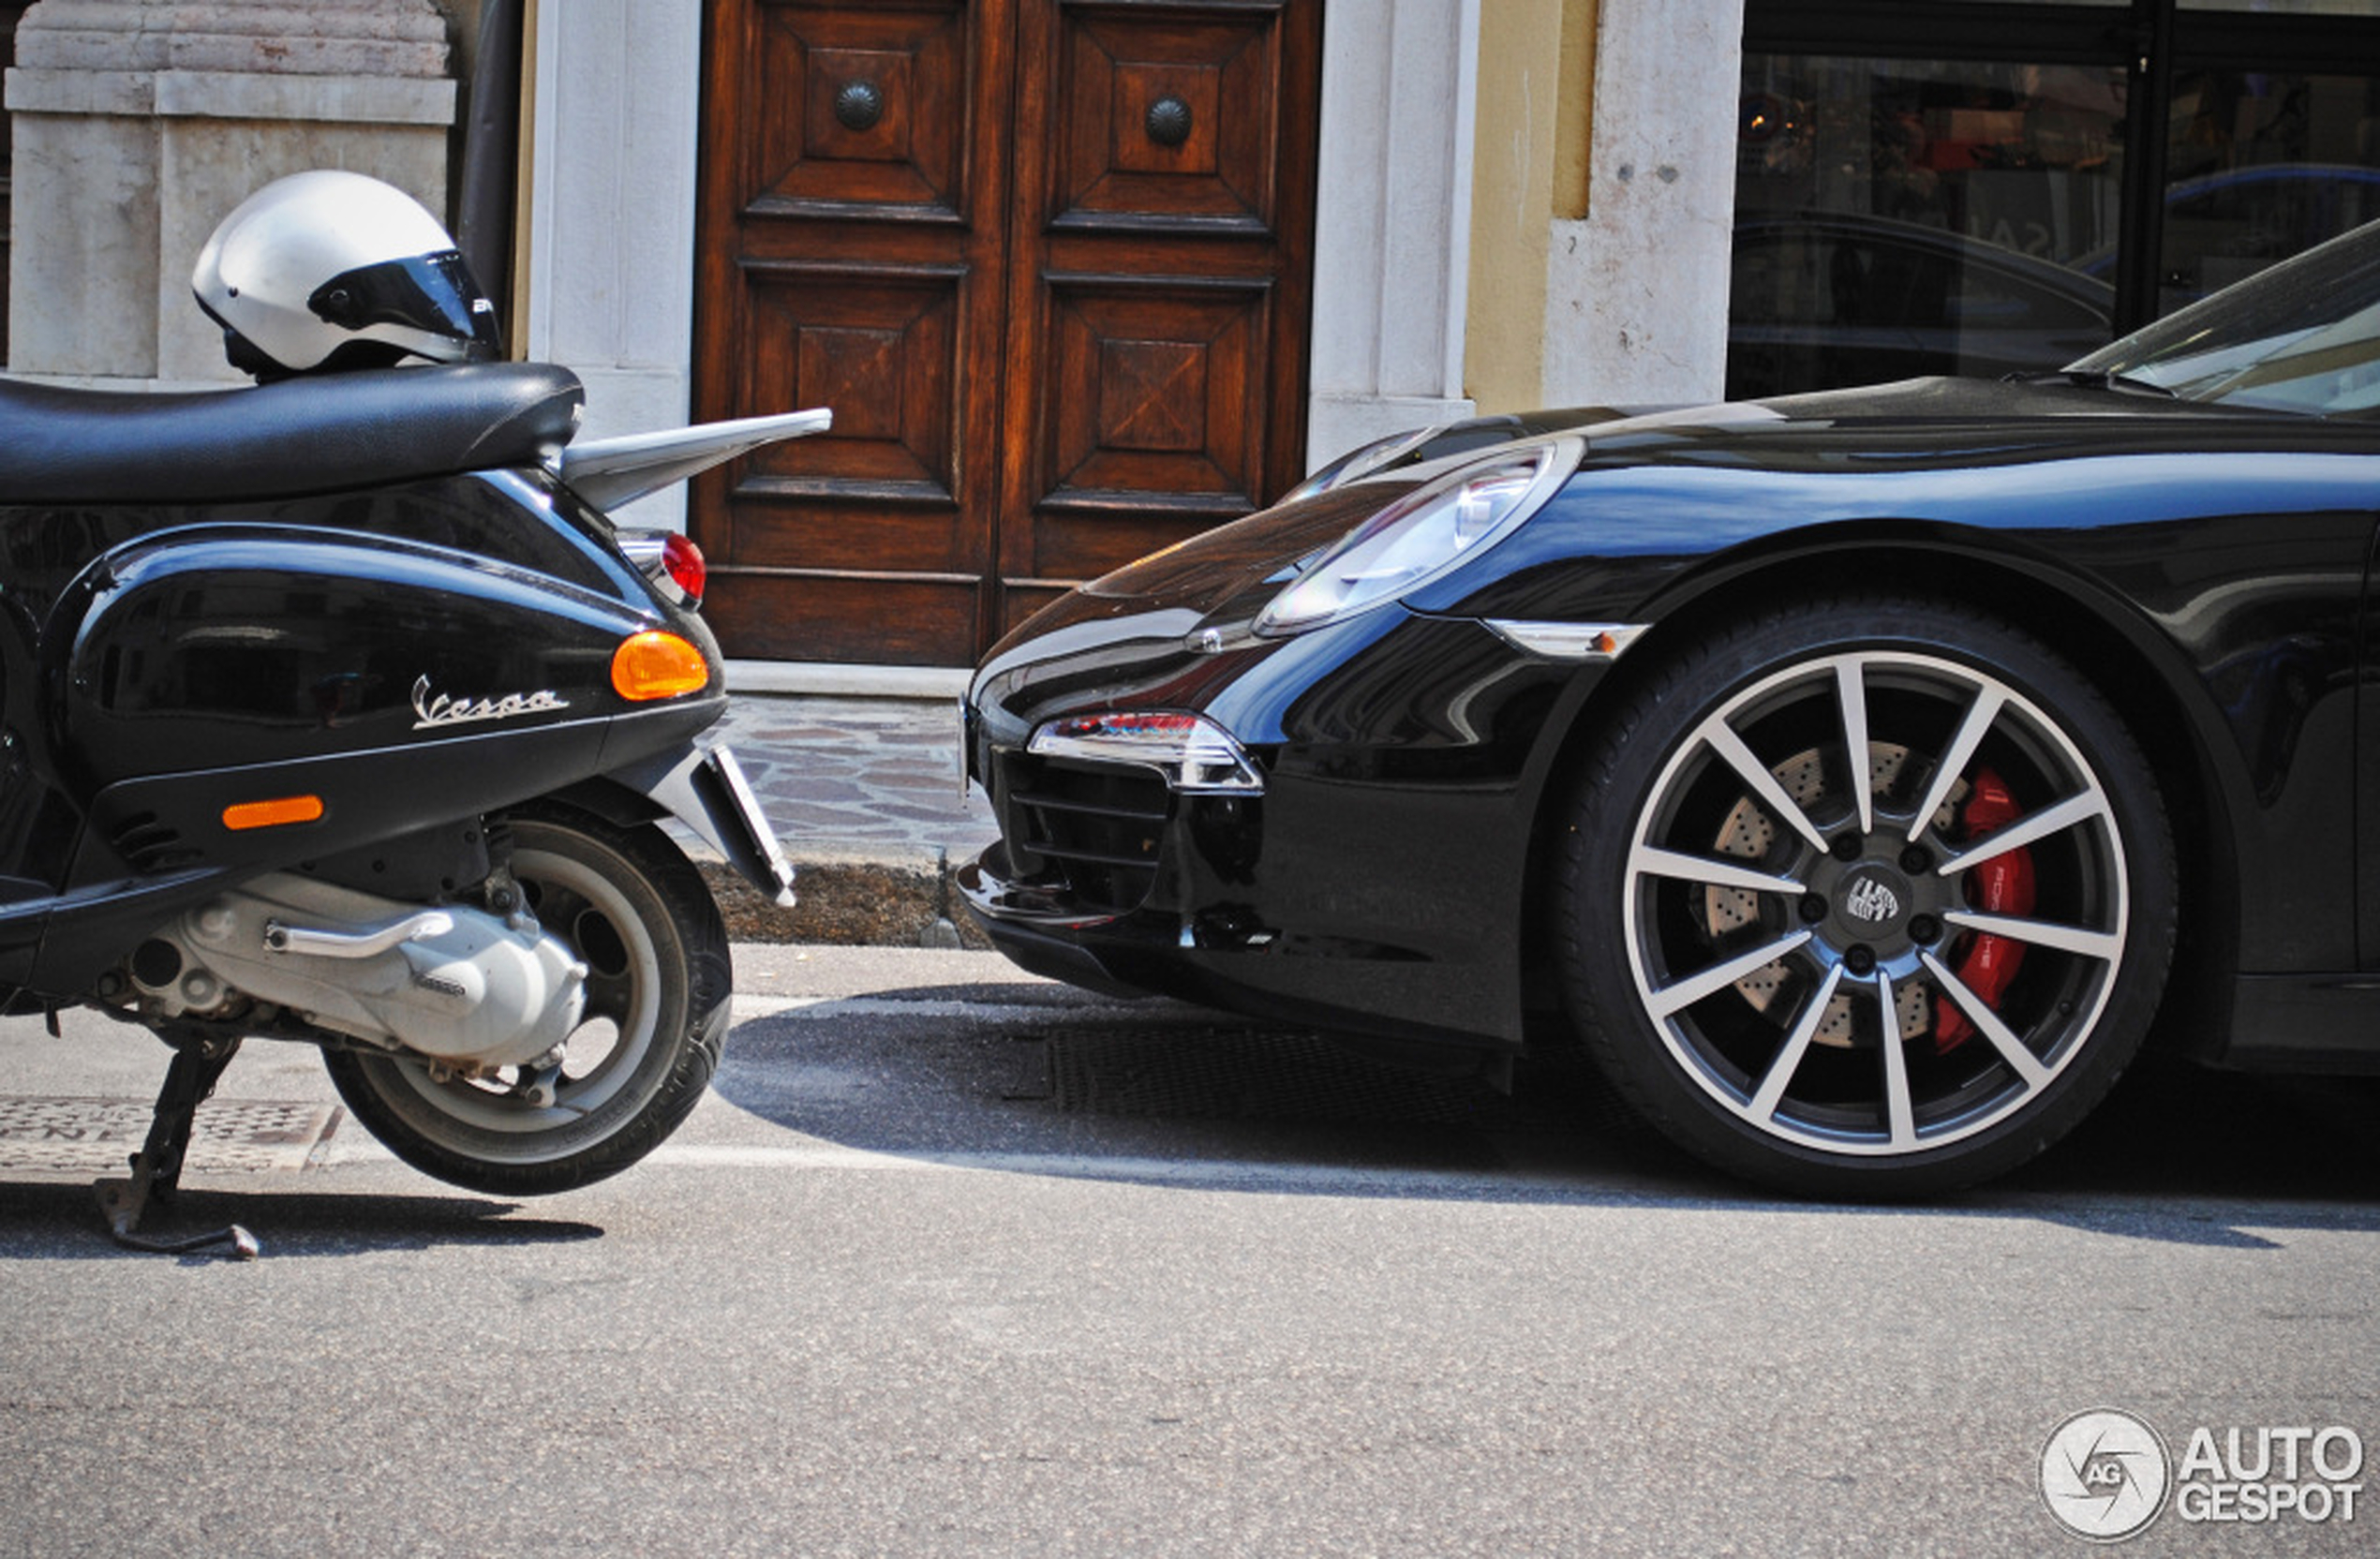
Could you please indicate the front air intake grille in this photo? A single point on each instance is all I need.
(1098, 829)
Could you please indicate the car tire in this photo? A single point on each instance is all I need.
(1876, 980)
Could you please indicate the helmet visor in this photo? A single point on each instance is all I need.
(436, 293)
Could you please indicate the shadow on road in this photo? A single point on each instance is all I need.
(1057, 1083)
(34, 1217)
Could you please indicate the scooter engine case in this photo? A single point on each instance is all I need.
(453, 983)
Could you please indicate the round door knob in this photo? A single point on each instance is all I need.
(859, 106)
(1169, 121)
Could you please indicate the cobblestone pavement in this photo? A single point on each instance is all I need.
(859, 776)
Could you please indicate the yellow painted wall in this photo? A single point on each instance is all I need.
(1574, 114)
(1529, 166)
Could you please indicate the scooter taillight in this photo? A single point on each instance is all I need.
(668, 554)
(683, 562)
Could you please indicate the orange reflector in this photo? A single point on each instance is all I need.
(274, 814)
(654, 664)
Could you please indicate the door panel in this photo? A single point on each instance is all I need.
(851, 240)
(1167, 120)
(1150, 380)
(878, 346)
(1159, 273)
(1046, 263)
(855, 109)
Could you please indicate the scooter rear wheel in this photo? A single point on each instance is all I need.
(659, 980)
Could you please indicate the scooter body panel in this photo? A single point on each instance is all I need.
(396, 658)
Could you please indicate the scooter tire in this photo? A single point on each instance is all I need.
(630, 904)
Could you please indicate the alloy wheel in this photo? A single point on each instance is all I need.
(1824, 940)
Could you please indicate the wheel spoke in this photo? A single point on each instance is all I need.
(2025, 830)
(1723, 741)
(1900, 1113)
(2102, 945)
(1686, 992)
(1851, 693)
(608, 997)
(1789, 1057)
(557, 908)
(2003, 1039)
(1647, 861)
(1972, 731)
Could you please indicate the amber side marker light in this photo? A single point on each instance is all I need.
(277, 813)
(656, 665)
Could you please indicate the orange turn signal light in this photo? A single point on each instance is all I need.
(276, 813)
(658, 664)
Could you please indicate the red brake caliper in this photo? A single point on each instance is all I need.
(2002, 885)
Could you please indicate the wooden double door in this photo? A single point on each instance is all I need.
(1048, 263)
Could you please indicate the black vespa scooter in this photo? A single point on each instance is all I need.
(335, 711)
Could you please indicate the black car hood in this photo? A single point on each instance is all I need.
(1227, 573)
(1948, 421)
(1205, 568)
(1941, 400)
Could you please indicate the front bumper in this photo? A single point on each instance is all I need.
(1225, 957)
(1376, 882)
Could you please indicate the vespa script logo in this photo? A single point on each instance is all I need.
(1871, 902)
(2104, 1475)
(437, 710)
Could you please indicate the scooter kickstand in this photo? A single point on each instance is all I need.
(156, 1169)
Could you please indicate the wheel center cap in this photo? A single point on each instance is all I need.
(1872, 902)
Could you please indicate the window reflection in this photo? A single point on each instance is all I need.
(2260, 166)
(1899, 217)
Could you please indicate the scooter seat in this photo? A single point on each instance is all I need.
(365, 428)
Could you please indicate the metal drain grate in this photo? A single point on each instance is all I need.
(97, 1136)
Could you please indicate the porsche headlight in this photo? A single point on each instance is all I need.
(1421, 535)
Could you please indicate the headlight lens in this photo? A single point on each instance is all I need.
(1423, 534)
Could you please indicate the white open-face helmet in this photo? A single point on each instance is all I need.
(330, 270)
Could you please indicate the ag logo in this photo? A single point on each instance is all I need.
(1871, 902)
(2104, 1475)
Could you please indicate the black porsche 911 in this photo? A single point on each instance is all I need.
(1858, 772)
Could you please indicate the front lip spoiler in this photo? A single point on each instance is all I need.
(1037, 932)
(994, 899)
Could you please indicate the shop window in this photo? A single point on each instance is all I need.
(2260, 166)
(1941, 186)
(1899, 217)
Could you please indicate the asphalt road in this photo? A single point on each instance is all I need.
(957, 1262)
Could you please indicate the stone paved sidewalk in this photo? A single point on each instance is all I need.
(851, 773)
(864, 795)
